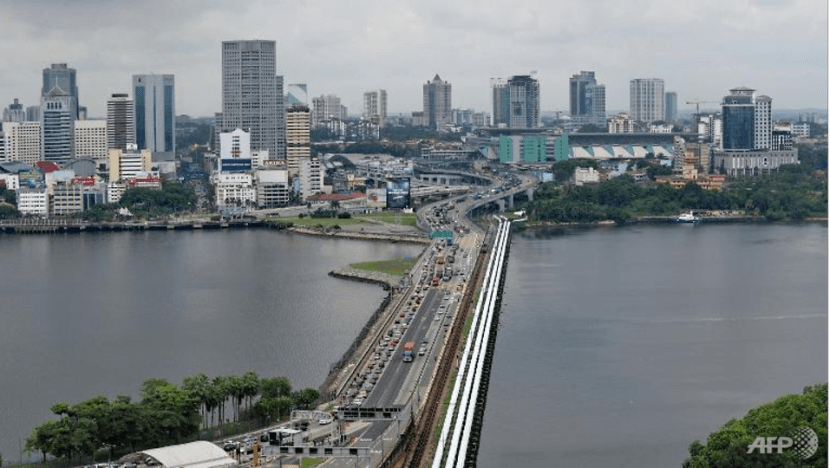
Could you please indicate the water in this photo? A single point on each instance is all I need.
(90, 314)
(621, 346)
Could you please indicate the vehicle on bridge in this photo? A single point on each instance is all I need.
(408, 349)
(435, 281)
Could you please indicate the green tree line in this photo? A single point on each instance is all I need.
(146, 203)
(728, 446)
(791, 193)
(166, 414)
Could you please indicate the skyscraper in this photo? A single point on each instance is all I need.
(252, 95)
(671, 106)
(374, 107)
(56, 125)
(524, 101)
(120, 122)
(326, 108)
(155, 114)
(647, 99)
(587, 99)
(296, 94)
(437, 102)
(501, 102)
(59, 75)
(14, 113)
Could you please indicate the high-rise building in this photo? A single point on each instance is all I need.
(739, 119)
(56, 126)
(59, 75)
(326, 108)
(374, 107)
(235, 151)
(14, 113)
(310, 177)
(747, 146)
(587, 99)
(437, 102)
(155, 114)
(647, 99)
(120, 122)
(252, 95)
(296, 94)
(524, 101)
(501, 102)
(297, 137)
(671, 106)
(22, 142)
(91, 139)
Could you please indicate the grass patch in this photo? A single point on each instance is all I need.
(309, 462)
(407, 219)
(390, 267)
(307, 221)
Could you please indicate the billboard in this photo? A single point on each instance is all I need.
(376, 198)
(397, 193)
(234, 165)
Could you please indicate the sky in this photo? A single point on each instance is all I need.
(700, 48)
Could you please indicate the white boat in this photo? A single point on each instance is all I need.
(687, 218)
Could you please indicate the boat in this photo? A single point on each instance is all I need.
(687, 218)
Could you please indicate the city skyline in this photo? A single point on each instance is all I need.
(399, 46)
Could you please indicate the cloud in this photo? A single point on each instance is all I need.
(701, 48)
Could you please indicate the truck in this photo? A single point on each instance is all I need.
(440, 259)
(408, 349)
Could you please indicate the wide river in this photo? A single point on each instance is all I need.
(89, 314)
(621, 346)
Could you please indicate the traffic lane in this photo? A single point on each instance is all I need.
(389, 384)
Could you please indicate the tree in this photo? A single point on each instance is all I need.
(306, 397)
(729, 445)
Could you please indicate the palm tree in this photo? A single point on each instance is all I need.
(335, 206)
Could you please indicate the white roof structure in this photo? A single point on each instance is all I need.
(198, 454)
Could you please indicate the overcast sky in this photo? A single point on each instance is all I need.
(700, 48)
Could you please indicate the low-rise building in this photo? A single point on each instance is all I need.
(272, 188)
(587, 175)
(33, 201)
(67, 198)
(234, 189)
(11, 181)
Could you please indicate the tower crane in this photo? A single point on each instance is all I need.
(698, 102)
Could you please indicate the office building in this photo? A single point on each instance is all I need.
(272, 189)
(437, 102)
(33, 114)
(252, 95)
(60, 76)
(374, 107)
(120, 122)
(524, 101)
(670, 106)
(297, 137)
(21, 142)
(747, 146)
(296, 94)
(91, 139)
(155, 114)
(14, 113)
(646, 103)
(56, 126)
(587, 99)
(234, 189)
(128, 163)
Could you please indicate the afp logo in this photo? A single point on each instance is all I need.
(804, 441)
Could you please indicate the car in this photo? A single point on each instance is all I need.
(264, 437)
(324, 421)
(229, 446)
(357, 401)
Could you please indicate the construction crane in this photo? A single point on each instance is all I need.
(698, 102)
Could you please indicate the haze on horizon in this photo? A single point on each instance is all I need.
(700, 49)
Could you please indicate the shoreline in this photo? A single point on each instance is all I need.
(670, 220)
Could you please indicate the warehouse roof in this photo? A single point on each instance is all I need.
(199, 454)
